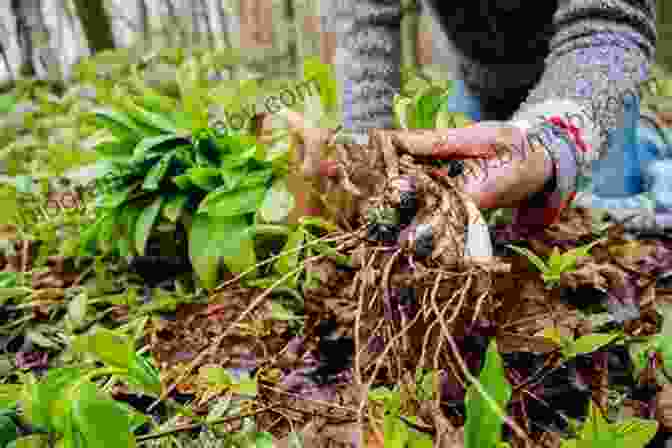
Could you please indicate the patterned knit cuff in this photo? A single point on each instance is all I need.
(545, 207)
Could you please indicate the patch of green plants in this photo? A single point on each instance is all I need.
(557, 263)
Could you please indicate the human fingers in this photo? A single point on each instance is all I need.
(484, 140)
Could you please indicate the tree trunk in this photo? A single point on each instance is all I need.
(96, 24)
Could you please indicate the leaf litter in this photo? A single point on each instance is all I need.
(400, 305)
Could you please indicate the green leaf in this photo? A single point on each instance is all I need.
(555, 260)
(24, 184)
(38, 398)
(590, 343)
(77, 309)
(263, 440)
(596, 426)
(118, 150)
(8, 430)
(175, 206)
(534, 259)
(31, 441)
(277, 204)
(144, 375)
(212, 239)
(120, 125)
(247, 385)
(99, 419)
(483, 427)
(158, 172)
(149, 143)
(570, 257)
(228, 204)
(427, 105)
(636, 432)
(402, 111)
(289, 259)
(321, 77)
(395, 432)
(145, 223)
(9, 293)
(111, 347)
(206, 178)
(10, 394)
(151, 119)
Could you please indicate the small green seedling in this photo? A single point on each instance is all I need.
(557, 263)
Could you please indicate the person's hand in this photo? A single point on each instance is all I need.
(503, 167)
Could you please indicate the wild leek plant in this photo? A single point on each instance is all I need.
(557, 263)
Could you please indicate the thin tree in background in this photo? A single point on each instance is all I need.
(96, 24)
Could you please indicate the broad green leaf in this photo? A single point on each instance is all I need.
(116, 150)
(483, 427)
(395, 432)
(289, 259)
(7, 103)
(247, 385)
(427, 104)
(145, 223)
(596, 426)
(31, 441)
(38, 398)
(636, 432)
(149, 143)
(256, 178)
(9, 395)
(319, 78)
(148, 118)
(8, 429)
(175, 206)
(417, 439)
(158, 172)
(570, 257)
(77, 309)
(220, 238)
(234, 203)
(24, 184)
(538, 262)
(120, 125)
(192, 93)
(238, 159)
(263, 440)
(9, 293)
(294, 440)
(215, 375)
(277, 204)
(206, 178)
(555, 260)
(117, 198)
(590, 343)
(144, 375)
(402, 111)
(129, 217)
(111, 347)
(99, 419)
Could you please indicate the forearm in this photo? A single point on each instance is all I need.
(367, 59)
(598, 58)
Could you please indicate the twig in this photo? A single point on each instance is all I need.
(255, 303)
(197, 425)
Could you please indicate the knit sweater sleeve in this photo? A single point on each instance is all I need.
(367, 61)
(599, 55)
